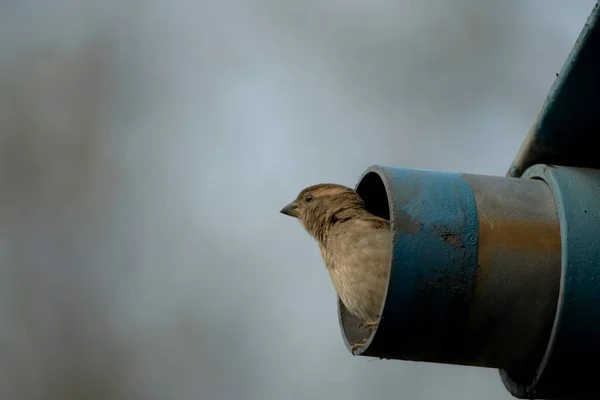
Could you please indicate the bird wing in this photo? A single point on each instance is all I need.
(357, 256)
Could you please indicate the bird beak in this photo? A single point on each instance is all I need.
(291, 209)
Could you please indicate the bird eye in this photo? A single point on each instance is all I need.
(308, 198)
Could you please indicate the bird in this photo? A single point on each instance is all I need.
(355, 246)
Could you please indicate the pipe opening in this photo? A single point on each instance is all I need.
(371, 189)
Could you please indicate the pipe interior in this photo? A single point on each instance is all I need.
(372, 190)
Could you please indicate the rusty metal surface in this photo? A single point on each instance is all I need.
(568, 122)
(569, 368)
(434, 261)
(475, 268)
(518, 276)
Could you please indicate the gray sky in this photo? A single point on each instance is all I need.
(147, 147)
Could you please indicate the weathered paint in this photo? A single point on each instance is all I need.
(475, 269)
(434, 263)
(518, 279)
(570, 364)
(567, 124)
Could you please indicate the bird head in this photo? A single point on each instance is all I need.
(317, 206)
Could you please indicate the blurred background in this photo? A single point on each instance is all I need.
(146, 148)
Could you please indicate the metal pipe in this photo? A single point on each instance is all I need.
(568, 120)
(569, 367)
(475, 272)
(493, 272)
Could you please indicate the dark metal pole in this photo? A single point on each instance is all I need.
(568, 123)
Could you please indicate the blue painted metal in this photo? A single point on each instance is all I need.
(435, 221)
(434, 263)
(466, 273)
(475, 269)
(568, 122)
(570, 364)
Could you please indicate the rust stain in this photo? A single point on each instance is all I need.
(516, 238)
(453, 238)
(521, 234)
(404, 223)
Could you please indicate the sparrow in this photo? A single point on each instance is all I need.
(355, 246)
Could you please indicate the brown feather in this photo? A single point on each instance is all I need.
(355, 245)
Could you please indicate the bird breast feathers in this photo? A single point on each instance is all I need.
(358, 243)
